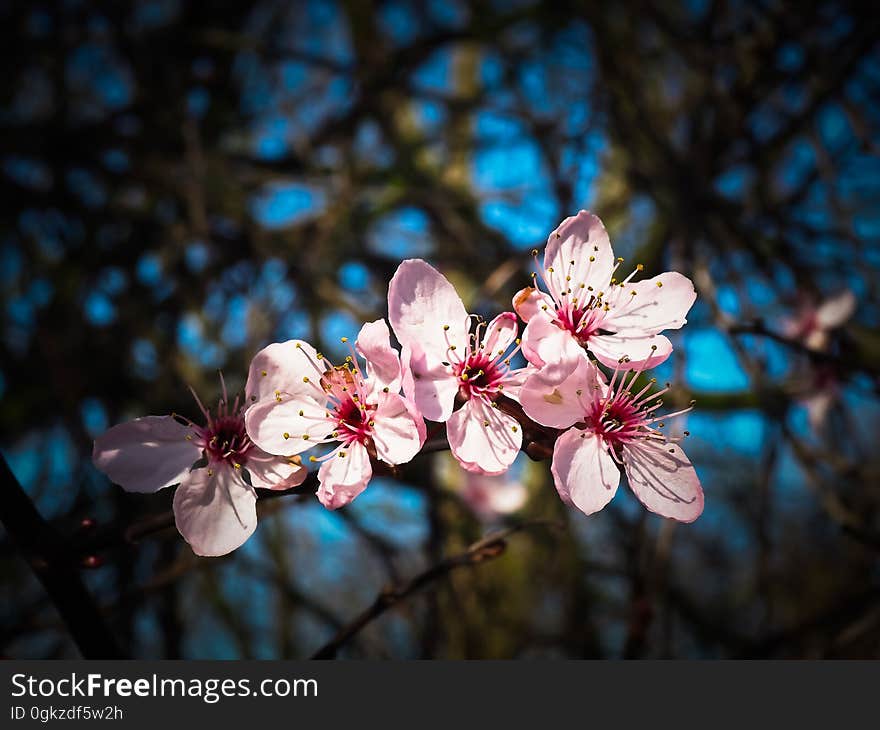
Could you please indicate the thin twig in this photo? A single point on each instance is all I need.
(489, 547)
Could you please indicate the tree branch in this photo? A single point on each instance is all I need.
(53, 564)
(489, 547)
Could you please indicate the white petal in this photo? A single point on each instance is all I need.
(291, 368)
(398, 430)
(835, 311)
(578, 238)
(344, 476)
(274, 472)
(146, 454)
(383, 362)
(421, 302)
(289, 427)
(584, 473)
(664, 480)
(429, 384)
(215, 511)
(483, 439)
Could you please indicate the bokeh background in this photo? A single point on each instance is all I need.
(184, 182)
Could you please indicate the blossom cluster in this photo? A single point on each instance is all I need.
(589, 335)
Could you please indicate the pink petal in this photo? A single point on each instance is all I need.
(344, 476)
(215, 511)
(818, 404)
(550, 348)
(578, 238)
(146, 454)
(530, 301)
(515, 379)
(500, 334)
(274, 472)
(430, 385)
(559, 405)
(643, 351)
(664, 480)
(282, 367)
(420, 303)
(815, 339)
(584, 473)
(483, 439)
(653, 308)
(836, 311)
(383, 362)
(396, 431)
(268, 421)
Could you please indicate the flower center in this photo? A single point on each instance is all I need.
(582, 322)
(225, 439)
(353, 420)
(350, 411)
(479, 375)
(618, 420)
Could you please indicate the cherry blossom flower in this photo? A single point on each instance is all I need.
(813, 326)
(585, 305)
(609, 425)
(216, 467)
(814, 323)
(302, 400)
(443, 359)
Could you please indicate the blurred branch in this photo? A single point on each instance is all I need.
(491, 546)
(52, 564)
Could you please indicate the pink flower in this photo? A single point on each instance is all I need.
(215, 502)
(443, 360)
(608, 425)
(303, 400)
(813, 323)
(586, 306)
